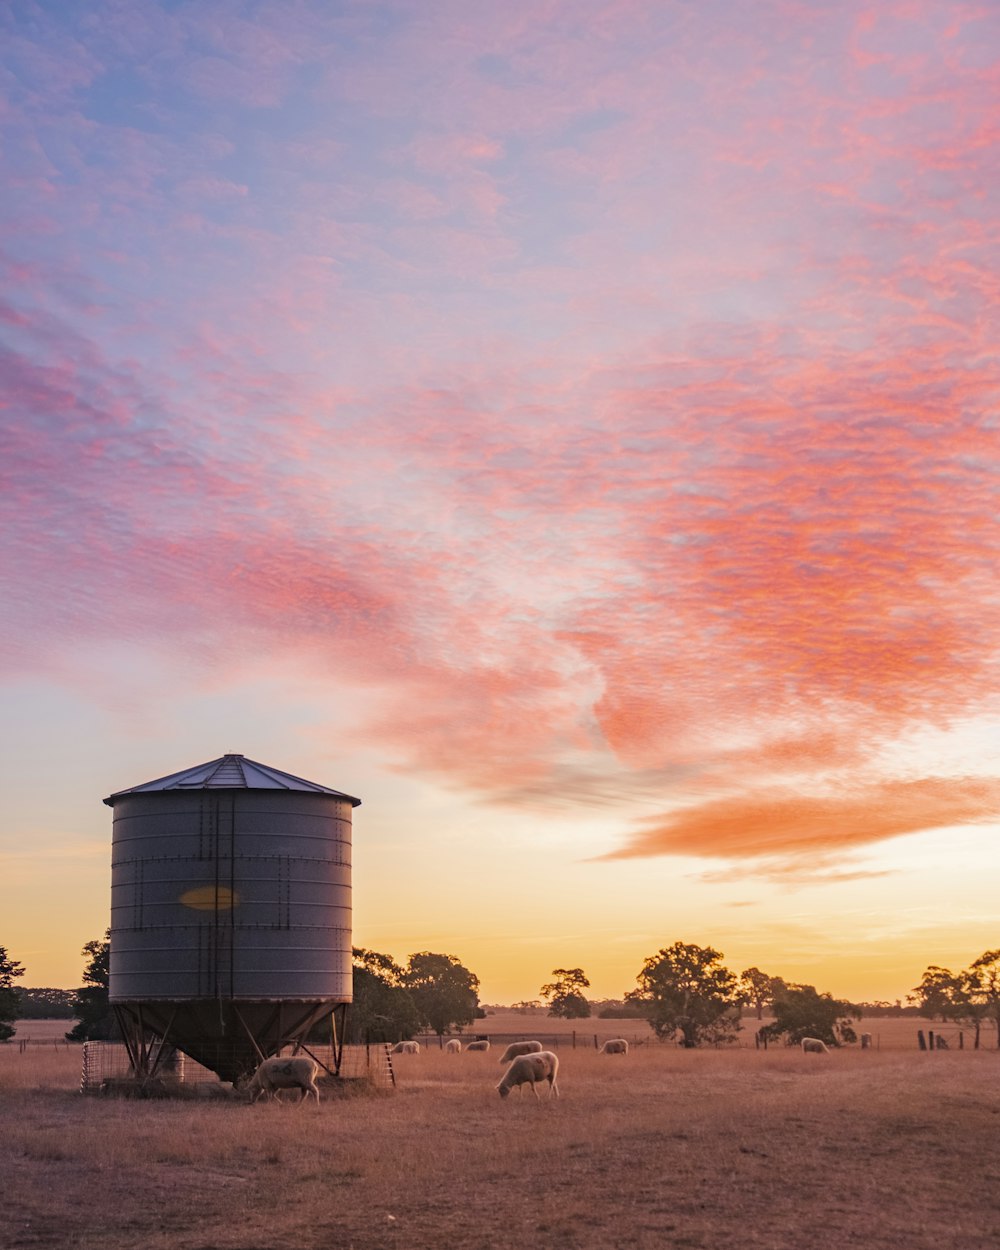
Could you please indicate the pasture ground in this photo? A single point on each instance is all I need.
(663, 1149)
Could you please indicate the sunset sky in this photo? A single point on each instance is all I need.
(569, 426)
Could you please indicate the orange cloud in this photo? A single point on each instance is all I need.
(786, 825)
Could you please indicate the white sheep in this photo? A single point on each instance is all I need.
(541, 1065)
(453, 1046)
(276, 1074)
(813, 1046)
(406, 1048)
(615, 1046)
(520, 1048)
(477, 1046)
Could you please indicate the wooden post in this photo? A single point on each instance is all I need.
(921, 1041)
(931, 1044)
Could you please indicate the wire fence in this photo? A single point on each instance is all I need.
(59, 1043)
(574, 1040)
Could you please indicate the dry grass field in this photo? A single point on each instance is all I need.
(659, 1149)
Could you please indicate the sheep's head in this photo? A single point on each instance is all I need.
(504, 1090)
(247, 1082)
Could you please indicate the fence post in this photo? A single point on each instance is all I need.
(921, 1041)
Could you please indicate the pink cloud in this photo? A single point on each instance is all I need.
(615, 402)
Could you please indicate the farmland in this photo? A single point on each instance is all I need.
(662, 1148)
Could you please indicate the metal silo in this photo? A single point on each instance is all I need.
(230, 913)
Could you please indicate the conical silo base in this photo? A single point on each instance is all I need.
(229, 1038)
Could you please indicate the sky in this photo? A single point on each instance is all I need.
(568, 426)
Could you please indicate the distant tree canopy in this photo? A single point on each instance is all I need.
(444, 991)
(970, 997)
(565, 995)
(685, 990)
(90, 1003)
(882, 1007)
(617, 1009)
(10, 970)
(801, 1011)
(383, 1009)
(45, 1004)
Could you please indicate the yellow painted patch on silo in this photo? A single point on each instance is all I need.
(210, 898)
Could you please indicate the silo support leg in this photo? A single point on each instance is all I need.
(337, 1035)
(164, 1047)
(130, 1036)
(249, 1032)
(316, 1059)
(146, 1046)
(336, 1042)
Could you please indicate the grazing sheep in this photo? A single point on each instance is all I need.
(477, 1046)
(520, 1048)
(615, 1046)
(813, 1046)
(406, 1048)
(276, 1074)
(453, 1046)
(541, 1065)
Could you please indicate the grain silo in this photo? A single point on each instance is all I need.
(230, 913)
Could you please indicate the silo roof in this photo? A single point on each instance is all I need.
(231, 772)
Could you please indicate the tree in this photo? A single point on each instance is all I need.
(982, 981)
(91, 1006)
(686, 990)
(954, 996)
(383, 1010)
(565, 995)
(940, 993)
(10, 970)
(759, 988)
(445, 992)
(801, 1011)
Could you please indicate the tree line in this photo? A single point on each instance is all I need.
(391, 1001)
(684, 992)
(970, 997)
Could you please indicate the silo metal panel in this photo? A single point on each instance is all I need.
(231, 893)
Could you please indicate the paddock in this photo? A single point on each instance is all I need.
(765, 1149)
